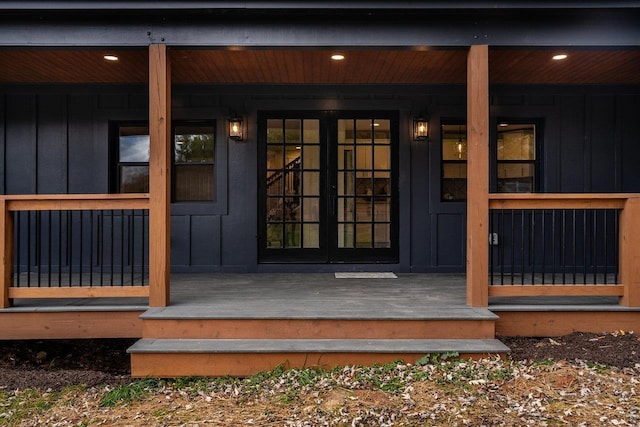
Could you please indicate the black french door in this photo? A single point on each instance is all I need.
(328, 187)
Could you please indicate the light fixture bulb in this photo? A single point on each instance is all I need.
(337, 57)
(559, 57)
(111, 57)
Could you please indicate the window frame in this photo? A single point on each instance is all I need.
(443, 162)
(536, 162)
(216, 207)
(204, 123)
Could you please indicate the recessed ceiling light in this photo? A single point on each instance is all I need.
(111, 57)
(337, 57)
(559, 57)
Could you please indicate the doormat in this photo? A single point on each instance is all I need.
(368, 275)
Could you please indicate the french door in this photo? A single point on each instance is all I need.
(328, 187)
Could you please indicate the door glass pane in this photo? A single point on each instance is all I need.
(293, 131)
(292, 235)
(311, 157)
(274, 157)
(345, 157)
(274, 131)
(346, 131)
(292, 209)
(364, 212)
(274, 209)
(382, 157)
(274, 236)
(363, 157)
(382, 209)
(346, 183)
(363, 236)
(311, 209)
(364, 131)
(311, 131)
(381, 131)
(382, 236)
(311, 183)
(345, 236)
(345, 209)
(311, 235)
(291, 182)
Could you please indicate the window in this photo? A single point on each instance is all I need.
(516, 158)
(454, 162)
(133, 158)
(193, 158)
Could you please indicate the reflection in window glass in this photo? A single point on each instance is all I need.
(516, 153)
(194, 148)
(133, 159)
(454, 163)
(134, 148)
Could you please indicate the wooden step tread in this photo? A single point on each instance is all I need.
(329, 311)
(417, 346)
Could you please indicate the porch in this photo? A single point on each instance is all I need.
(220, 324)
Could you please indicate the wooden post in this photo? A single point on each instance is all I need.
(478, 176)
(159, 175)
(6, 253)
(630, 252)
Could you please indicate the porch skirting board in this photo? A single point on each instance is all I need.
(72, 324)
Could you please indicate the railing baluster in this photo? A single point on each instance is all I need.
(553, 247)
(544, 245)
(522, 245)
(70, 244)
(81, 246)
(101, 248)
(18, 248)
(91, 243)
(501, 246)
(606, 247)
(38, 246)
(532, 245)
(29, 249)
(575, 263)
(50, 224)
(59, 248)
(111, 245)
(121, 247)
(143, 250)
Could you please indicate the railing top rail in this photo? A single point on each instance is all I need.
(563, 196)
(560, 200)
(36, 202)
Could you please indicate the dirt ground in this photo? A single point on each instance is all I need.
(55, 364)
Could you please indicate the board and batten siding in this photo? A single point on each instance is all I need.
(55, 139)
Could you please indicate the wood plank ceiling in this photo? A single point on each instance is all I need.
(508, 66)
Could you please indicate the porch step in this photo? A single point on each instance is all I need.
(243, 357)
(279, 321)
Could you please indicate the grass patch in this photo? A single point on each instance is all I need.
(132, 392)
(23, 405)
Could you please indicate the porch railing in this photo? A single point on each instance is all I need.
(74, 246)
(564, 245)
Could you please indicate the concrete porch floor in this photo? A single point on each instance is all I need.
(237, 295)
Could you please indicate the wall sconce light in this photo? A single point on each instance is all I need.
(420, 128)
(235, 128)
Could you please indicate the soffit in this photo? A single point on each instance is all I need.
(507, 66)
